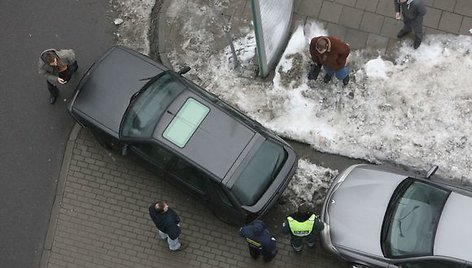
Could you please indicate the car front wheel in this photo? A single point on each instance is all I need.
(108, 142)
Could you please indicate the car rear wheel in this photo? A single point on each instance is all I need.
(108, 142)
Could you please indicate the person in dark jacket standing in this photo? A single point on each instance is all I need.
(259, 240)
(302, 225)
(331, 53)
(57, 66)
(167, 223)
(413, 12)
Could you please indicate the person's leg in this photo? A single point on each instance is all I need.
(329, 74)
(418, 29)
(53, 92)
(268, 256)
(343, 75)
(254, 252)
(174, 244)
(311, 240)
(406, 28)
(162, 235)
(297, 243)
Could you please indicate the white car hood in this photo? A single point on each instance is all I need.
(357, 209)
(454, 231)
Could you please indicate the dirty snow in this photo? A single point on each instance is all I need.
(413, 109)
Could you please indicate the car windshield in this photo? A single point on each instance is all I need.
(144, 112)
(412, 218)
(259, 173)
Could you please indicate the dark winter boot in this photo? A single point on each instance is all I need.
(327, 78)
(402, 33)
(346, 80)
(417, 43)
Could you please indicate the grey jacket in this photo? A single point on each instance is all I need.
(411, 9)
(67, 56)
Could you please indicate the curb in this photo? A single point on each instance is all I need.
(58, 196)
(163, 28)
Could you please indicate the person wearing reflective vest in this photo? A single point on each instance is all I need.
(259, 240)
(302, 225)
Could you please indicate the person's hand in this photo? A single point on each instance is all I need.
(61, 81)
(398, 16)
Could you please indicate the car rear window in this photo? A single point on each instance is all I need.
(259, 173)
(186, 122)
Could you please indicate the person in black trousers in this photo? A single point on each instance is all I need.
(413, 12)
(259, 240)
(57, 66)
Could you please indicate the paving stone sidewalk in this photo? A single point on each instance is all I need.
(102, 220)
(100, 216)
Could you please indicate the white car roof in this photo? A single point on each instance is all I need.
(454, 232)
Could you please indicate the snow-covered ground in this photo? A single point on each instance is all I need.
(414, 110)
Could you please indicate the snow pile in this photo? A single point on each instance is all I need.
(413, 110)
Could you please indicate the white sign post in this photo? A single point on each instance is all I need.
(272, 19)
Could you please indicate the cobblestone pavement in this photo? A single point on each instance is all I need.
(100, 216)
(102, 220)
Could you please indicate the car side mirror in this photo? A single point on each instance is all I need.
(431, 171)
(184, 70)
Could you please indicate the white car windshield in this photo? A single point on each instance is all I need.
(412, 218)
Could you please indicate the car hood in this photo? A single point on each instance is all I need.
(454, 234)
(357, 208)
(105, 90)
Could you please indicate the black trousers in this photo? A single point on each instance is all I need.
(267, 256)
(53, 90)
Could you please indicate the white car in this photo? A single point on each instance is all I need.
(377, 216)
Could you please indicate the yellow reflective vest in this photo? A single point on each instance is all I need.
(301, 228)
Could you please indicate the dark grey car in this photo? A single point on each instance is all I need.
(135, 105)
(382, 217)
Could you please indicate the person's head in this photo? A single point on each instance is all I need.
(403, 1)
(304, 208)
(51, 58)
(322, 45)
(161, 206)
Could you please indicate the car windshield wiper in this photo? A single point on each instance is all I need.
(150, 80)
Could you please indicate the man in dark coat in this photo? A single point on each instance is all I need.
(413, 12)
(167, 223)
(259, 240)
(331, 53)
(302, 225)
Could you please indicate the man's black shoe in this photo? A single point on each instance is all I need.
(327, 78)
(52, 99)
(346, 80)
(417, 43)
(402, 33)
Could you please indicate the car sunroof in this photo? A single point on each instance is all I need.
(186, 122)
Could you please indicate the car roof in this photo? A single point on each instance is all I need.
(217, 144)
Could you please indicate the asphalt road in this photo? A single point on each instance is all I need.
(32, 132)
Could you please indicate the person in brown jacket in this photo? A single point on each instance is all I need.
(331, 53)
